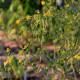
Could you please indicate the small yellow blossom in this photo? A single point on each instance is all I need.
(66, 17)
(74, 17)
(8, 49)
(21, 53)
(59, 47)
(51, 29)
(5, 63)
(56, 14)
(51, 15)
(69, 23)
(46, 13)
(67, 5)
(20, 60)
(17, 21)
(25, 47)
(63, 52)
(43, 2)
(72, 1)
(42, 37)
(61, 36)
(51, 7)
(68, 30)
(10, 60)
(54, 8)
(12, 31)
(0, 20)
(28, 17)
(78, 57)
(54, 41)
(35, 16)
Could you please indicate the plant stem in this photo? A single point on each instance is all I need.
(73, 71)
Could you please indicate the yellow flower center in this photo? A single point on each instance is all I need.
(67, 5)
(72, 1)
(21, 53)
(0, 20)
(8, 49)
(28, 17)
(66, 17)
(42, 37)
(51, 15)
(20, 60)
(12, 31)
(43, 2)
(17, 21)
(54, 41)
(63, 52)
(51, 29)
(10, 60)
(54, 8)
(5, 63)
(61, 36)
(25, 47)
(51, 7)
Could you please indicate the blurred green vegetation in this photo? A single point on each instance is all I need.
(4, 4)
(28, 6)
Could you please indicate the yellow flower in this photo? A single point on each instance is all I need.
(54, 41)
(63, 52)
(21, 53)
(0, 20)
(51, 29)
(28, 17)
(17, 21)
(78, 57)
(25, 47)
(43, 2)
(59, 47)
(61, 36)
(69, 23)
(42, 37)
(5, 63)
(10, 60)
(56, 14)
(20, 60)
(51, 15)
(67, 5)
(74, 17)
(12, 31)
(72, 1)
(66, 17)
(68, 30)
(51, 7)
(8, 49)
(46, 13)
(54, 8)
(35, 16)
